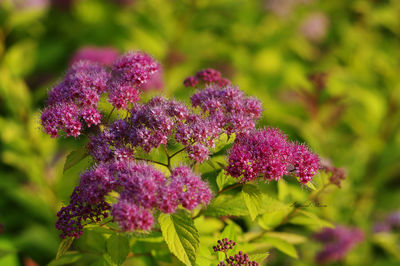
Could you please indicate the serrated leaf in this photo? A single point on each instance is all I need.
(118, 248)
(253, 199)
(227, 204)
(282, 246)
(181, 236)
(223, 180)
(75, 157)
(259, 257)
(64, 246)
(67, 258)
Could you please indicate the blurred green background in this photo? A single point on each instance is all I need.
(268, 47)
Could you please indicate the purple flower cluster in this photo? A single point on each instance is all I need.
(228, 108)
(141, 188)
(129, 73)
(238, 259)
(224, 245)
(392, 222)
(102, 55)
(338, 241)
(337, 175)
(75, 99)
(207, 76)
(269, 154)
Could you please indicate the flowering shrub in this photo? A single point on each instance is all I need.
(148, 159)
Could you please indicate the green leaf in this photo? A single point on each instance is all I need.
(309, 219)
(310, 185)
(223, 180)
(253, 199)
(67, 258)
(281, 245)
(259, 257)
(227, 204)
(289, 237)
(118, 248)
(181, 236)
(75, 157)
(64, 246)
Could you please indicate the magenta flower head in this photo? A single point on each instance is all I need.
(338, 241)
(267, 153)
(207, 76)
(228, 108)
(129, 74)
(102, 55)
(75, 99)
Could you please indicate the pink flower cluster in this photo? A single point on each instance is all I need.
(142, 190)
(267, 153)
(228, 108)
(74, 101)
(102, 55)
(207, 76)
(338, 241)
(238, 259)
(130, 72)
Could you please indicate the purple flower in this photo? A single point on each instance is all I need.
(224, 245)
(75, 99)
(207, 76)
(132, 217)
(228, 108)
(129, 74)
(238, 259)
(267, 153)
(102, 55)
(338, 241)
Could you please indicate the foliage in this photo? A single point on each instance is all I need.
(350, 116)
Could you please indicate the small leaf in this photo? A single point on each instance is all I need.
(252, 197)
(259, 257)
(308, 184)
(310, 219)
(289, 237)
(227, 204)
(75, 157)
(118, 248)
(64, 246)
(223, 180)
(282, 245)
(67, 258)
(181, 236)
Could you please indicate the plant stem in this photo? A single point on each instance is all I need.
(151, 161)
(109, 115)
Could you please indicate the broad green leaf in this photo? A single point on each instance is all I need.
(259, 258)
(64, 246)
(181, 236)
(224, 179)
(67, 258)
(227, 204)
(309, 219)
(118, 248)
(310, 185)
(252, 197)
(75, 157)
(281, 245)
(289, 237)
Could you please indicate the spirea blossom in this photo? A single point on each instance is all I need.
(228, 108)
(207, 76)
(224, 245)
(338, 241)
(238, 259)
(129, 73)
(391, 223)
(102, 55)
(142, 189)
(74, 100)
(267, 153)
